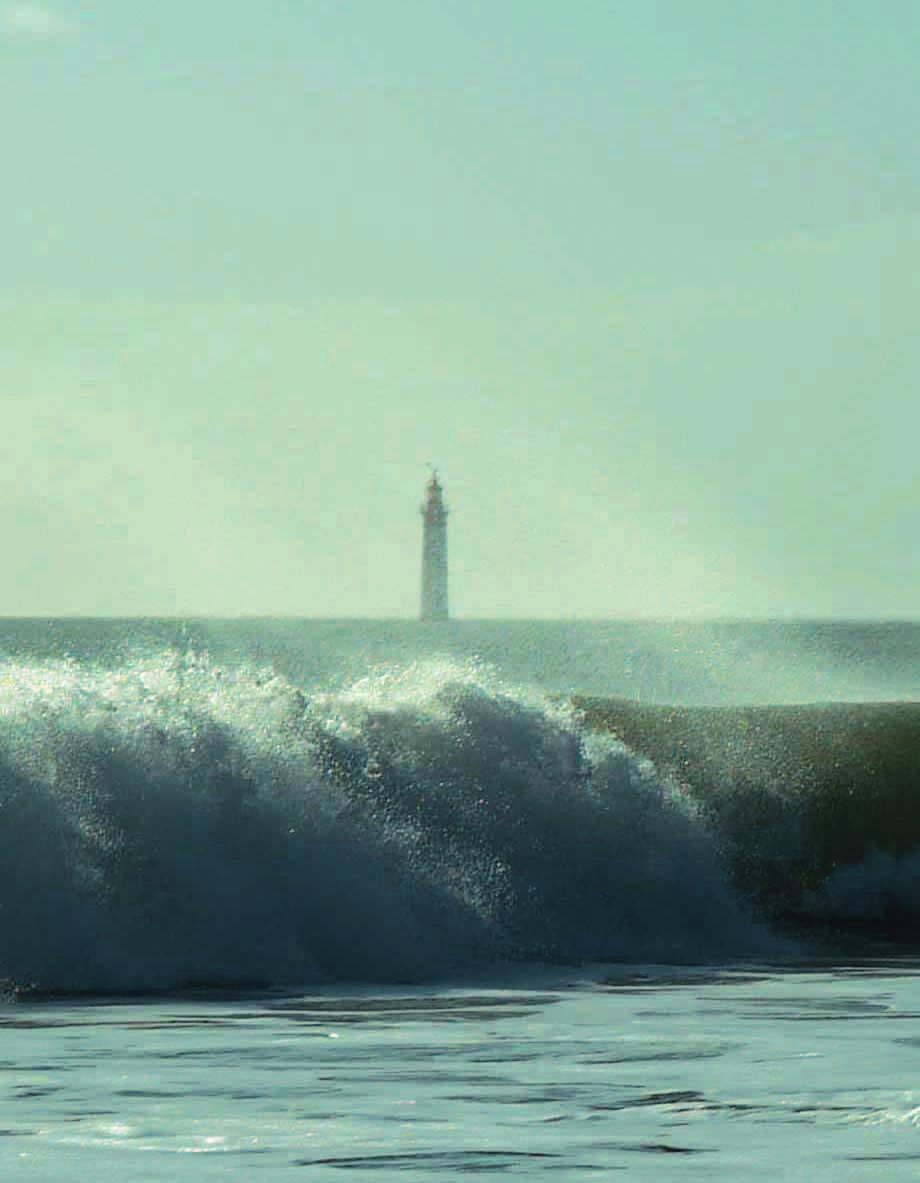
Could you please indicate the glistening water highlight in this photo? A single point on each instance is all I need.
(173, 821)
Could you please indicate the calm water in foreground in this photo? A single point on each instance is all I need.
(803, 1072)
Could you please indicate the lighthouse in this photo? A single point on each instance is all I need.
(434, 552)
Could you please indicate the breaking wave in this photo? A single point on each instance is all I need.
(173, 821)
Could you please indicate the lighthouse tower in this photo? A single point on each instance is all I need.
(434, 552)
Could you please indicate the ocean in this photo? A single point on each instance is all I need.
(472, 898)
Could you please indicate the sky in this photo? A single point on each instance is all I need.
(641, 279)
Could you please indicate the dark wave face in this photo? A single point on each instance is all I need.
(814, 807)
(171, 821)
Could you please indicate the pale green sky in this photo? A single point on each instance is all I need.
(642, 278)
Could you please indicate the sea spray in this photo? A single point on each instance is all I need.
(174, 821)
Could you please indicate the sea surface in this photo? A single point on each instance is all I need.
(287, 898)
(800, 1072)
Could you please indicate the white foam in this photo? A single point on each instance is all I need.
(173, 820)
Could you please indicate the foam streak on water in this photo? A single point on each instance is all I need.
(171, 820)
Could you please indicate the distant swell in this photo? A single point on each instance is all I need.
(172, 822)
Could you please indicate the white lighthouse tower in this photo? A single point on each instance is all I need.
(434, 552)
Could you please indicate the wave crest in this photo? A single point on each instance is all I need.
(175, 821)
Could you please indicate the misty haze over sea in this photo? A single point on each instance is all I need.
(690, 662)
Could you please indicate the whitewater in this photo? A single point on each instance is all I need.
(282, 896)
